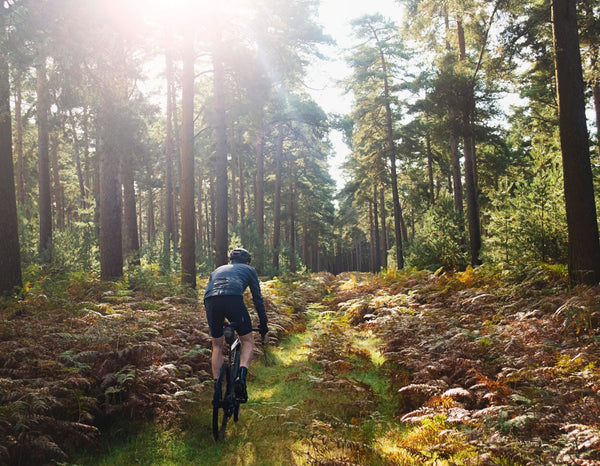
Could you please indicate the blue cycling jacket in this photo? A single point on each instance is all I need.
(231, 280)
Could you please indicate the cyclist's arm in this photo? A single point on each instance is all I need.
(257, 298)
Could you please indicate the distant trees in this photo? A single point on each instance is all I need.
(100, 138)
(137, 144)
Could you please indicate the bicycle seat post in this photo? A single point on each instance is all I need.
(229, 334)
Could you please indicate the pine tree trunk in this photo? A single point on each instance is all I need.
(45, 196)
(10, 260)
(392, 156)
(188, 222)
(277, 203)
(457, 189)
(132, 244)
(77, 156)
(260, 199)
(384, 235)
(19, 145)
(169, 201)
(111, 248)
(222, 219)
(151, 226)
(469, 155)
(372, 245)
(472, 205)
(292, 232)
(57, 188)
(429, 166)
(584, 245)
(376, 229)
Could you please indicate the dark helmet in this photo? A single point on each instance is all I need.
(240, 255)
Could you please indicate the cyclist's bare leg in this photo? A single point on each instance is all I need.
(247, 349)
(217, 355)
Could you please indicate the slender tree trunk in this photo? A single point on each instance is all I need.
(429, 165)
(376, 227)
(200, 219)
(242, 197)
(177, 165)
(456, 174)
(188, 223)
(277, 203)
(77, 156)
(584, 245)
(57, 191)
(151, 226)
(19, 145)
(372, 241)
(132, 244)
(384, 235)
(10, 260)
(305, 250)
(111, 246)
(233, 170)
(45, 196)
(260, 198)
(222, 219)
(169, 201)
(292, 240)
(141, 220)
(86, 153)
(392, 156)
(471, 195)
(469, 155)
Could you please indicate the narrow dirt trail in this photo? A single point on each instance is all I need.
(318, 398)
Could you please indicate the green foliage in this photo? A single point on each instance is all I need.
(76, 247)
(527, 221)
(438, 242)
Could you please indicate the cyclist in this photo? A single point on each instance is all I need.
(223, 298)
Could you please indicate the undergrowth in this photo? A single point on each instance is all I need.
(486, 366)
(78, 356)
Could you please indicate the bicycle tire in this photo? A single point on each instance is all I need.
(220, 415)
(235, 369)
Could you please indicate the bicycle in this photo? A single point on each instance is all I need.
(226, 404)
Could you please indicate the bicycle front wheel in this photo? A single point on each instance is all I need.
(221, 413)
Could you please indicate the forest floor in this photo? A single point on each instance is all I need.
(472, 368)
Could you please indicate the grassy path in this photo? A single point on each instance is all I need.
(318, 398)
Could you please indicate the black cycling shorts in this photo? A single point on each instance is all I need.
(231, 307)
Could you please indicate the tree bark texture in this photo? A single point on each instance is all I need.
(584, 246)
(277, 203)
(260, 198)
(222, 218)
(45, 197)
(19, 145)
(130, 230)
(188, 222)
(111, 247)
(10, 258)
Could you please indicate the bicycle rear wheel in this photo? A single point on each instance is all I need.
(221, 410)
(234, 371)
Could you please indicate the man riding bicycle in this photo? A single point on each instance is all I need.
(223, 298)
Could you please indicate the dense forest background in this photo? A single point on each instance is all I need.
(160, 134)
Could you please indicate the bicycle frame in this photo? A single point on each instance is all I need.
(226, 404)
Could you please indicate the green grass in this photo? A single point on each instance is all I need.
(301, 411)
